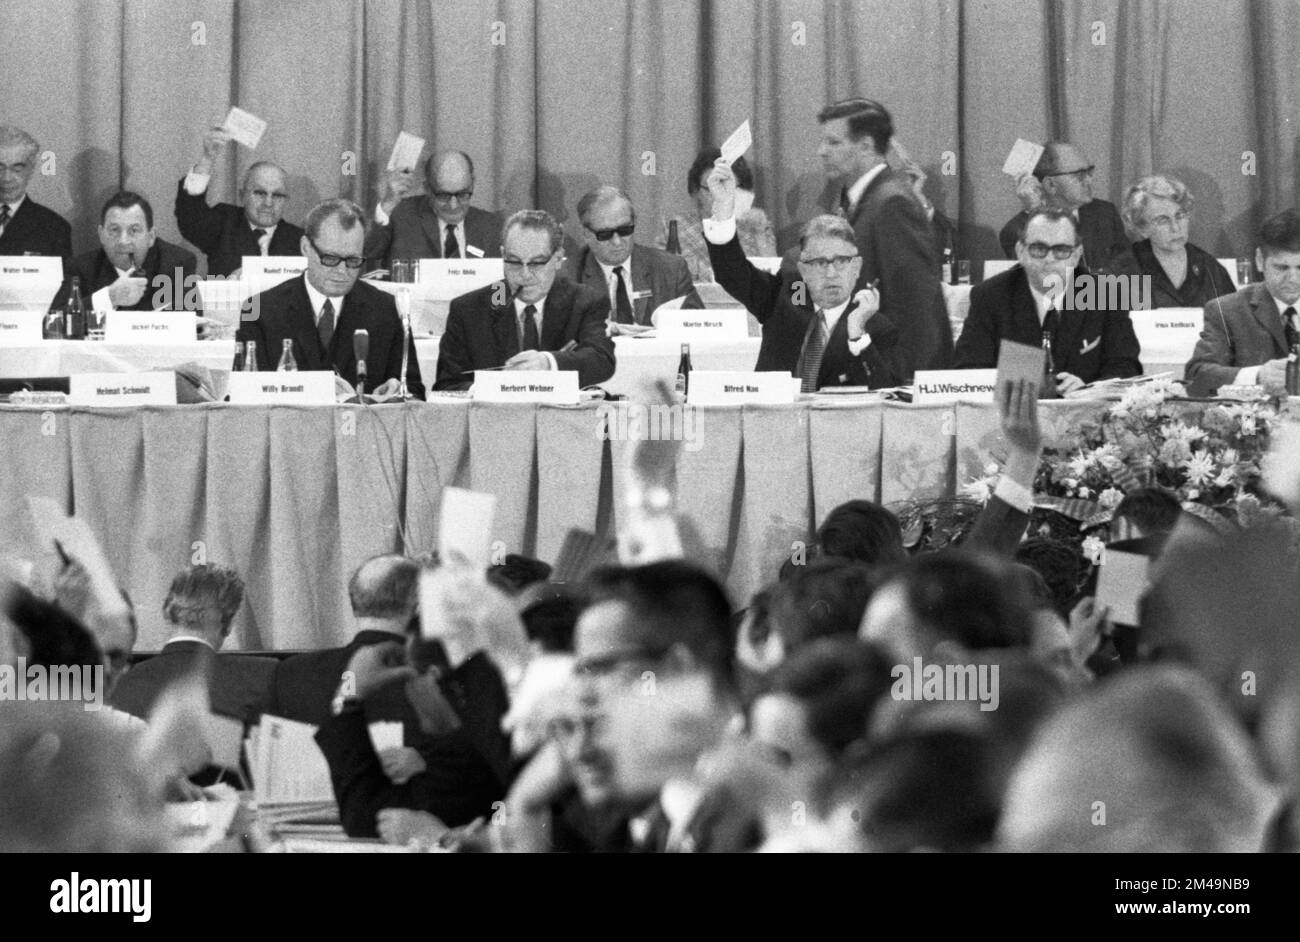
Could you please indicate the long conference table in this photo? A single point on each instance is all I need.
(296, 497)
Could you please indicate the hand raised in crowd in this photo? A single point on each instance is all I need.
(1089, 624)
(401, 765)
(1018, 411)
(722, 187)
(127, 291)
(375, 666)
(1029, 190)
(398, 184)
(213, 141)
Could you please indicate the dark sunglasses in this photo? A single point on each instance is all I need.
(604, 235)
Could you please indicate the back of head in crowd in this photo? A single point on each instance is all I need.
(202, 602)
(862, 530)
(550, 613)
(1147, 512)
(1062, 566)
(824, 598)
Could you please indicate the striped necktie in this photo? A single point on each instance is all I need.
(814, 347)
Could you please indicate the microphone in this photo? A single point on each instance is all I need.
(361, 350)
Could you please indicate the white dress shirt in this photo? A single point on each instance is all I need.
(318, 301)
(519, 327)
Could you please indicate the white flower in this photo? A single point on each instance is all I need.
(1080, 463)
(1110, 498)
(1200, 469)
(1085, 493)
(1093, 548)
(991, 468)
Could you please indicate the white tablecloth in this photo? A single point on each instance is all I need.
(66, 357)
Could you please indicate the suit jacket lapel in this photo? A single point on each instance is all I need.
(1265, 311)
(505, 331)
(856, 209)
(432, 227)
(1024, 313)
(558, 304)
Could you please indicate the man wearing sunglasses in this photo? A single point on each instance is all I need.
(1028, 302)
(1062, 180)
(225, 232)
(637, 278)
(322, 308)
(441, 223)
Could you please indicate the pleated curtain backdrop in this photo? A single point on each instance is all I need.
(551, 97)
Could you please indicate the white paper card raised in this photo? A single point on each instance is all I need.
(122, 389)
(559, 387)
(465, 528)
(406, 152)
(686, 326)
(1121, 583)
(448, 278)
(728, 388)
(386, 734)
(954, 385)
(736, 145)
(1023, 158)
(1168, 334)
(29, 280)
(20, 328)
(297, 387)
(149, 327)
(245, 128)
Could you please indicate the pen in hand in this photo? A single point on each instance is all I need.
(567, 348)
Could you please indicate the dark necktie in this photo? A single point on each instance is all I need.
(325, 326)
(4, 216)
(622, 304)
(1289, 326)
(451, 248)
(531, 341)
(263, 247)
(845, 205)
(813, 349)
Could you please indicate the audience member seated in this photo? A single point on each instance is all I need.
(864, 531)
(26, 227)
(225, 232)
(1247, 336)
(823, 599)
(752, 225)
(1159, 210)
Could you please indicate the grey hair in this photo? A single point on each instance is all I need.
(10, 135)
(830, 226)
(1157, 186)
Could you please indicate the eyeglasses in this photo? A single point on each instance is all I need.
(1060, 251)
(446, 196)
(333, 261)
(837, 263)
(1080, 173)
(604, 235)
(534, 267)
(1165, 222)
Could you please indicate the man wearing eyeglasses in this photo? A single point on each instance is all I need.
(1029, 302)
(439, 224)
(225, 232)
(1062, 180)
(535, 320)
(638, 278)
(814, 324)
(323, 307)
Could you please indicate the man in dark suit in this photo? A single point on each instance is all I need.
(531, 321)
(813, 326)
(225, 232)
(439, 224)
(26, 227)
(1091, 337)
(610, 261)
(200, 606)
(892, 232)
(320, 310)
(1247, 336)
(133, 270)
(1062, 180)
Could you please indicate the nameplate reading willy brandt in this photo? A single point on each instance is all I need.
(558, 387)
(291, 387)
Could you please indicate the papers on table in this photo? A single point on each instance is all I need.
(1023, 158)
(291, 778)
(244, 128)
(406, 152)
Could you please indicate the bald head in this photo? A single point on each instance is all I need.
(1066, 176)
(384, 588)
(264, 194)
(449, 175)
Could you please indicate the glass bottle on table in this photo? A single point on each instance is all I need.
(287, 363)
(684, 371)
(672, 246)
(250, 357)
(238, 365)
(74, 314)
(1049, 369)
(1293, 371)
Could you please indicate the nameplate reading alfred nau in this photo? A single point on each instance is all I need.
(730, 388)
(931, 386)
(150, 327)
(558, 387)
(708, 324)
(122, 389)
(291, 387)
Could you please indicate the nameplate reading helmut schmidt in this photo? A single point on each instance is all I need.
(558, 387)
(122, 389)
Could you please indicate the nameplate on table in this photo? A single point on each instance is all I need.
(686, 326)
(122, 389)
(1168, 334)
(559, 387)
(267, 271)
(29, 280)
(728, 388)
(930, 386)
(291, 387)
(448, 278)
(20, 328)
(149, 327)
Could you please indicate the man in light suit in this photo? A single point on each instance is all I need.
(1030, 300)
(1247, 336)
(322, 308)
(26, 227)
(534, 320)
(892, 232)
(1062, 180)
(439, 224)
(200, 606)
(611, 262)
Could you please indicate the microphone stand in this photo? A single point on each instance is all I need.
(404, 312)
